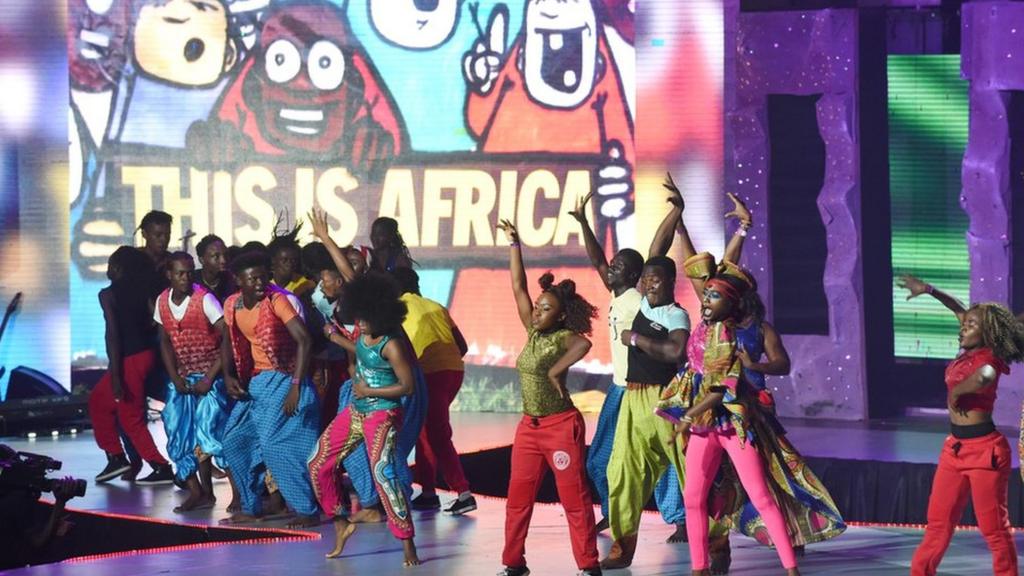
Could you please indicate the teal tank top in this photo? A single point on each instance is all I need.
(376, 371)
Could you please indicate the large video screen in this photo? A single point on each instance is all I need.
(232, 116)
(928, 121)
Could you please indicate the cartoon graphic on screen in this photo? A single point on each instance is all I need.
(247, 18)
(97, 33)
(180, 56)
(311, 93)
(556, 90)
(415, 24)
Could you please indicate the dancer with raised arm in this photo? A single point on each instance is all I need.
(385, 372)
(708, 404)
(551, 433)
(975, 458)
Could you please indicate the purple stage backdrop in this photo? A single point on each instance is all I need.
(804, 53)
(993, 61)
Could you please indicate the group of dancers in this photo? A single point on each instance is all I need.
(307, 375)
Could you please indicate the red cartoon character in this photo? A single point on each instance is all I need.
(556, 90)
(309, 92)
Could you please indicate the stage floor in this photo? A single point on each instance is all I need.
(471, 545)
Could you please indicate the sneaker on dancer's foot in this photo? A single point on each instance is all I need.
(426, 502)
(133, 472)
(514, 571)
(161, 474)
(591, 572)
(461, 505)
(117, 464)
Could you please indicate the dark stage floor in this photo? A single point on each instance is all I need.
(471, 545)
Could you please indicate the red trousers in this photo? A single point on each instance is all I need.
(434, 448)
(555, 442)
(979, 468)
(130, 411)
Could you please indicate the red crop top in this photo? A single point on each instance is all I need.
(968, 363)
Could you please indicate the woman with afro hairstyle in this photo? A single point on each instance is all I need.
(975, 458)
(551, 433)
(385, 372)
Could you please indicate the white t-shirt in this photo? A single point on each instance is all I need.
(620, 317)
(211, 307)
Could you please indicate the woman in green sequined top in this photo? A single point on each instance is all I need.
(551, 434)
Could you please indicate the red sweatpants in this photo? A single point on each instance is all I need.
(130, 411)
(555, 442)
(434, 448)
(979, 467)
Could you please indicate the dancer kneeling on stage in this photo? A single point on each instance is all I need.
(385, 372)
(191, 326)
(276, 420)
(975, 458)
(552, 432)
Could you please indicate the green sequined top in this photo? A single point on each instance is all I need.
(540, 353)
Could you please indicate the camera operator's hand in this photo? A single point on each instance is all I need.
(63, 490)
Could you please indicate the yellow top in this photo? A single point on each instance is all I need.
(429, 328)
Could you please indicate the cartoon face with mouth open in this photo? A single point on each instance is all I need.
(415, 24)
(560, 51)
(310, 90)
(183, 42)
(97, 34)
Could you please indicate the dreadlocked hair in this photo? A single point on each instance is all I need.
(374, 298)
(579, 313)
(1001, 332)
(287, 240)
(751, 306)
(390, 227)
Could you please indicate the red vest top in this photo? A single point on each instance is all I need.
(271, 335)
(968, 363)
(195, 341)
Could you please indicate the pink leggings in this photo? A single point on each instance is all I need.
(703, 456)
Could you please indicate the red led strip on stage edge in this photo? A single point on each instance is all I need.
(290, 536)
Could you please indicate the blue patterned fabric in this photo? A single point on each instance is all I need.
(751, 340)
(357, 464)
(259, 432)
(667, 493)
(191, 421)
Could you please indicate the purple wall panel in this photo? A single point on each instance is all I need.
(993, 62)
(807, 53)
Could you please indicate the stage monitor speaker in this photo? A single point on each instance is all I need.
(30, 383)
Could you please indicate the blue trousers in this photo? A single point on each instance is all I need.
(357, 464)
(667, 493)
(192, 421)
(259, 433)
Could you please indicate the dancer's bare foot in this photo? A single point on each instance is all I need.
(792, 572)
(367, 516)
(343, 530)
(304, 521)
(240, 518)
(679, 535)
(234, 506)
(275, 504)
(217, 473)
(196, 502)
(704, 572)
(409, 547)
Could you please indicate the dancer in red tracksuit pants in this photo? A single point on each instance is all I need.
(975, 458)
(551, 433)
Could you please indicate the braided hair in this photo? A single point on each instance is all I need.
(1001, 332)
(579, 313)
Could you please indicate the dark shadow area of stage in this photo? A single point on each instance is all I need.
(864, 490)
(92, 534)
